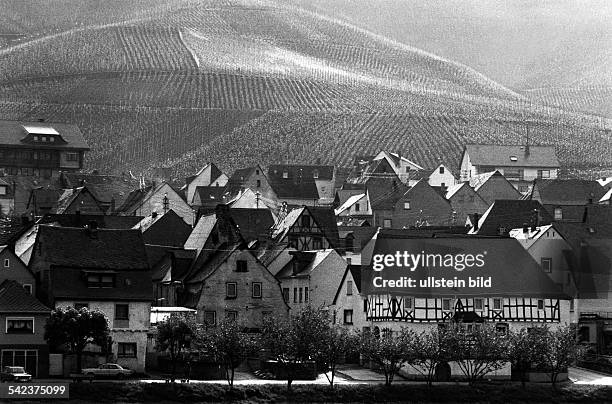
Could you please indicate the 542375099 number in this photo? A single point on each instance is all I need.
(34, 390)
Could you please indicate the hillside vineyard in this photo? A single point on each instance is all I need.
(171, 83)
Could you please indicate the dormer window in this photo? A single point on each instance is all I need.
(513, 158)
(100, 280)
(315, 174)
(558, 214)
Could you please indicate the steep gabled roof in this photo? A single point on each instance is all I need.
(105, 188)
(349, 202)
(307, 261)
(513, 272)
(355, 273)
(210, 195)
(167, 229)
(511, 214)
(253, 223)
(295, 188)
(15, 299)
(479, 180)
(12, 133)
(69, 196)
(85, 248)
(512, 155)
(324, 172)
(80, 220)
(566, 192)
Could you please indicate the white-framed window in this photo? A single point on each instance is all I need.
(3, 190)
(558, 214)
(256, 290)
(210, 317)
(28, 287)
(231, 315)
(497, 303)
(540, 304)
(7, 263)
(547, 264)
(231, 290)
(501, 328)
(478, 304)
(348, 317)
(285, 174)
(447, 304)
(126, 350)
(407, 205)
(408, 303)
(72, 156)
(19, 325)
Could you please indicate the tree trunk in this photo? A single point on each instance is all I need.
(79, 355)
(289, 384)
(232, 378)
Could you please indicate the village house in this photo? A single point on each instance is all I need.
(255, 179)
(80, 200)
(110, 191)
(421, 205)
(307, 228)
(14, 269)
(100, 269)
(40, 149)
(207, 176)
(233, 284)
(442, 177)
(324, 177)
(465, 202)
(492, 186)
(519, 164)
(311, 278)
(520, 293)
(7, 198)
(354, 203)
(349, 305)
(566, 199)
(168, 274)
(22, 320)
(407, 171)
(549, 248)
(158, 198)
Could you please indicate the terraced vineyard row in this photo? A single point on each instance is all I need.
(154, 48)
(591, 99)
(336, 138)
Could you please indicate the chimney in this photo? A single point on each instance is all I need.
(536, 220)
(476, 219)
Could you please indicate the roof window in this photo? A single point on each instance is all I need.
(513, 158)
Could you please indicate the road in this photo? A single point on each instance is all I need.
(354, 376)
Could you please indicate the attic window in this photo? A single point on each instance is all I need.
(441, 169)
(558, 214)
(285, 174)
(513, 158)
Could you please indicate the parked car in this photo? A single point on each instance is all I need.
(109, 370)
(15, 374)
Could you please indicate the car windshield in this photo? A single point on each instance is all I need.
(16, 369)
